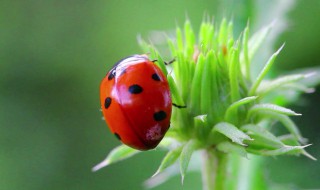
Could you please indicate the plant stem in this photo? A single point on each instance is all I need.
(222, 171)
(214, 170)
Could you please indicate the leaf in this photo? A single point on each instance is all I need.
(313, 75)
(143, 44)
(196, 84)
(206, 35)
(169, 141)
(176, 96)
(228, 147)
(234, 71)
(257, 39)
(270, 108)
(234, 106)
(169, 159)
(189, 38)
(284, 150)
(264, 71)
(160, 62)
(291, 140)
(262, 137)
(179, 39)
(306, 154)
(223, 32)
(231, 132)
(162, 177)
(185, 157)
(299, 87)
(274, 84)
(289, 124)
(201, 126)
(117, 154)
(244, 56)
(206, 86)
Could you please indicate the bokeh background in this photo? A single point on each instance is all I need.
(53, 55)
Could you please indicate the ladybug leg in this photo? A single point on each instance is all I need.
(178, 106)
(168, 63)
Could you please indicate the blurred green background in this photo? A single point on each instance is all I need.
(53, 55)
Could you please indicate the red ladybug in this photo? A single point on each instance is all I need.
(136, 102)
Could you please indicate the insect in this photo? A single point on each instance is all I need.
(136, 102)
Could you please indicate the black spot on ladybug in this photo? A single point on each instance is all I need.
(107, 102)
(155, 77)
(112, 74)
(135, 89)
(158, 116)
(117, 136)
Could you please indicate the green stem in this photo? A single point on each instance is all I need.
(222, 171)
(251, 175)
(214, 170)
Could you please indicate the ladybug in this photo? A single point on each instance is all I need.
(136, 102)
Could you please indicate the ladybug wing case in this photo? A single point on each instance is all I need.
(113, 114)
(140, 109)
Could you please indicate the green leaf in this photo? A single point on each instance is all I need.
(299, 87)
(244, 57)
(257, 39)
(176, 96)
(201, 127)
(264, 71)
(179, 39)
(308, 155)
(229, 147)
(262, 137)
(185, 157)
(117, 154)
(196, 85)
(169, 141)
(216, 98)
(223, 32)
(206, 36)
(234, 71)
(290, 125)
(206, 86)
(291, 140)
(313, 75)
(189, 38)
(143, 44)
(169, 159)
(275, 84)
(172, 47)
(231, 132)
(258, 108)
(159, 62)
(231, 110)
(281, 151)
